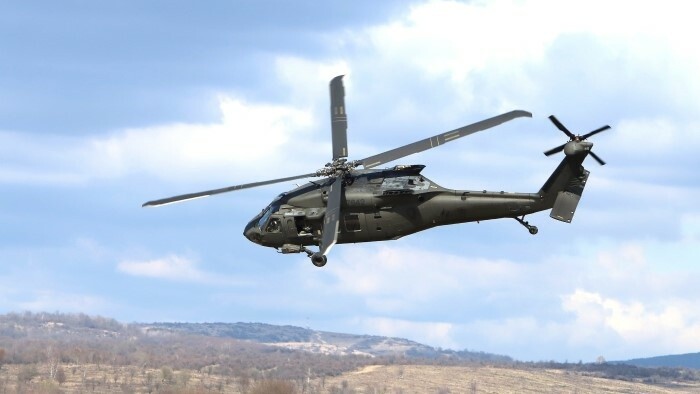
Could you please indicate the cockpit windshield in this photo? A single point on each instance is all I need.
(269, 210)
(266, 215)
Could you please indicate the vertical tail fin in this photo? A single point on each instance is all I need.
(564, 188)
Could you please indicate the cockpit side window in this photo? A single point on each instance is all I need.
(273, 226)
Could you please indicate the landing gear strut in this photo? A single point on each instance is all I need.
(531, 229)
(317, 258)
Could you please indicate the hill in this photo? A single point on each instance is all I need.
(83, 327)
(322, 342)
(688, 360)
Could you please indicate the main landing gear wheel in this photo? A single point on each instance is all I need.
(318, 259)
(532, 229)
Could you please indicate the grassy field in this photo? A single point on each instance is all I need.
(92, 378)
(483, 379)
(375, 379)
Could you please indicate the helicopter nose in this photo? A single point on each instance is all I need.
(252, 233)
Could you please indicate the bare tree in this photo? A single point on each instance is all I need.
(52, 361)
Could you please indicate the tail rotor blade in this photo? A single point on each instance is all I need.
(561, 126)
(598, 159)
(594, 132)
(555, 150)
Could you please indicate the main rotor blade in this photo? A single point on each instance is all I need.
(190, 196)
(598, 159)
(339, 119)
(594, 132)
(561, 127)
(441, 139)
(555, 150)
(331, 219)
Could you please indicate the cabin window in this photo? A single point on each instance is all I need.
(273, 226)
(352, 222)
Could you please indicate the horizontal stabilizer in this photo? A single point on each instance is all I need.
(565, 206)
(567, 199)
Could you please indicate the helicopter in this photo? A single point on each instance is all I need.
(351, 204)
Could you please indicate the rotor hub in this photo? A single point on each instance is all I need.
(339, 167)
(576, 147)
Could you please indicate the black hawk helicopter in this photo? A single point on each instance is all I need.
(365, 205)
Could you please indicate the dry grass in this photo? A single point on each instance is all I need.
(483, 379)
(91, 378)
(375, 379)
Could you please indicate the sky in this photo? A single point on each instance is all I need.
(106, 105)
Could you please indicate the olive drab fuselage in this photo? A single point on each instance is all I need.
(380, 205)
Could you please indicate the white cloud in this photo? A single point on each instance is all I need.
(174, 268)
(171, 267)
(50, 300)
(647, 141)
(458, 37)
(690, 228)
(246, 133)
(670, 326)
(544, 55)
(307, 80)
(256, 136)
(398, 280)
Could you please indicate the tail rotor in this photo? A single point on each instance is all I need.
(574, 138)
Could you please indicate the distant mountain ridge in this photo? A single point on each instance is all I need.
(298, 338)
(68, 326)
(687, 360)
